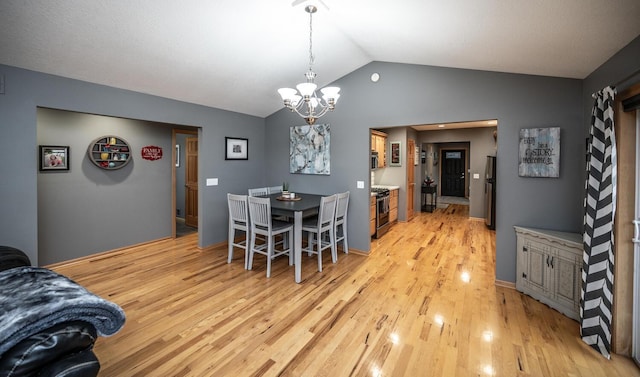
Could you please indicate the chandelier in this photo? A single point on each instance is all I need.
(304, 101)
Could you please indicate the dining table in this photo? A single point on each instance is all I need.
(303, 205)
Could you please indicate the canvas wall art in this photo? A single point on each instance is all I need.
(309, 149)
(539, 152)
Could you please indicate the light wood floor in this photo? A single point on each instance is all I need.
(405, 310)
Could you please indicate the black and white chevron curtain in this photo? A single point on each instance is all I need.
(600, 207)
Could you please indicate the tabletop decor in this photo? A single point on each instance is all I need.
(294, 198)
(236, 148)
(309, 149)
(54, 157)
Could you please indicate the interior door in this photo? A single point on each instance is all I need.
(191, 182)
(453, 172)
(411, 181)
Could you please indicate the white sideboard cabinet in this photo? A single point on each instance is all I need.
(549, 267)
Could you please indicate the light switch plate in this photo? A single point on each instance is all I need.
(360, 184)
(476, 176)
(212, 181)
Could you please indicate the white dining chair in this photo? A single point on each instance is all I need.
(263, 224)
(260, 191)
(275, 189)
(320, 226)
(238, 221)
(340, 222)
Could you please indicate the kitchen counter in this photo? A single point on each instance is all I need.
(388, 187)
(384, 186)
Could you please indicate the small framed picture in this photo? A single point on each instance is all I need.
(236, 148)
(54, 157)
(395, 154)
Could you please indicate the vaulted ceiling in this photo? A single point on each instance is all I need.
(235, 54)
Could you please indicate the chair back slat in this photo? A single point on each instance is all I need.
(260, 191)
(327, 211)
(260, 212)
(238, 211)
(342, 206)
(275, 189)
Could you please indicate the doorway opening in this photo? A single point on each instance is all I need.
(185, 182)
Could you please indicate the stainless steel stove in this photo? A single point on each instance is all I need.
(382, 211)
(380, 191)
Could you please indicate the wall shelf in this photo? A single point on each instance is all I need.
(109, 152)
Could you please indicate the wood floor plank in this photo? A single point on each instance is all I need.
(423, 303)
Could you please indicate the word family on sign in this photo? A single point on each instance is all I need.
(151, 152)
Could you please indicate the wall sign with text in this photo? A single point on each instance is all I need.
(151, 152)
(539, 152)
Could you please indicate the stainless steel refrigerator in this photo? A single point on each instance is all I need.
(490, 192)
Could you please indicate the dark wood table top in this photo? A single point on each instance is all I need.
(306, 202)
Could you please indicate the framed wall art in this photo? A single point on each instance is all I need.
(236, 148)
(309, 149)
(396, 159)
(539, 152)
(54, 157)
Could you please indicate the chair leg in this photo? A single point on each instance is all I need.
(290, 246)
(310, 242)
(269, 255)
(345, 244)
(334, 246)
(319, 246)
(252, 245)
(230, 239)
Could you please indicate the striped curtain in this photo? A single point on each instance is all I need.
(600, 208)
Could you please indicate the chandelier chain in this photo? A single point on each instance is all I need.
(311, 58)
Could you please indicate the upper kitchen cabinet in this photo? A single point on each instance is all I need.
(379, 144)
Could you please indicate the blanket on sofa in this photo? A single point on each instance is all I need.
(33, 299)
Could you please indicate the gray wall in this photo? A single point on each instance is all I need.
(26, 90)
(421, 94)
(87, 209)
(424, 95)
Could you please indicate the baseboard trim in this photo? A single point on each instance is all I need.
(356, 251)
(505, 284)
(101, 254)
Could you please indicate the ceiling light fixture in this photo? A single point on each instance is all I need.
(307, 104)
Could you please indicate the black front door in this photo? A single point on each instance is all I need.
(453, 174)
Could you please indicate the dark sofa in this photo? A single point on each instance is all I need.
(57, 340)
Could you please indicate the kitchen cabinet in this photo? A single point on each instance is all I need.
(372, 215)
(379, 144)
(549, 265)
(393, 205)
